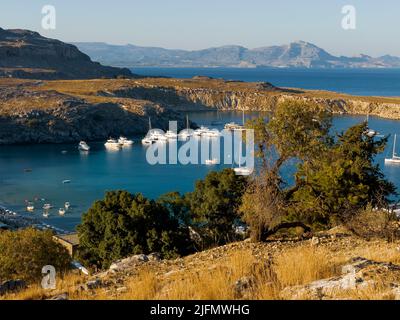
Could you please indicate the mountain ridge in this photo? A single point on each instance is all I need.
(298, 54)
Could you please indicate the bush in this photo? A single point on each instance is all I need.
(214, 206)
(124, 224)
(371, 223)
(24, 253)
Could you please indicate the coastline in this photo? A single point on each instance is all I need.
(15, 220)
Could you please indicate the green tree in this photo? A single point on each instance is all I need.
(214, 205)
(124, 224)
(24, 253)
(296, 131)
(342, 178)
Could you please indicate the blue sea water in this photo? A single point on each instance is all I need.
(100, 170)
(364, 82)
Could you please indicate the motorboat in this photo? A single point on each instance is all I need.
(158, 136)
(83, 146)
(47, 206)
(211, 162)
(112, 143)
(212, 133)
(395, 159)
(148, 141)
(124, 141)
(67, 205)
(243, 171)
(171, 135)
(30, 207)
(66, 181)
(201, 131)
(232, 126)
(61, 211)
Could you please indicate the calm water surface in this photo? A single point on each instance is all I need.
(364, 82)
(100, 170)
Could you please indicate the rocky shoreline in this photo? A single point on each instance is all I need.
(70, 111)
(14, 220)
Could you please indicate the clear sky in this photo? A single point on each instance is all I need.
(198, 24)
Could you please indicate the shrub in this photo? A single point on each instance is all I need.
(374, 223)
(24, 253)
(124, 224)
(214, 205)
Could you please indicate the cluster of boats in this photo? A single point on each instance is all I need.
(110, 143)
(47, 207)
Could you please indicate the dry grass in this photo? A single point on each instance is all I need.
(264, 276)
(296, 267)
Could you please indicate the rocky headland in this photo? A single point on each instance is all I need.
(27, 54)
(42, 111)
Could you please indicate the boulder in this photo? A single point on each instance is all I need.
(63, 296)
(358, 274)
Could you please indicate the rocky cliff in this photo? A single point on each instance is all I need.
(202, 93)
(68, 111)
(26, 54)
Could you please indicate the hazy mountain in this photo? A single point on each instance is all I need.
(27, 54)
(297, 54)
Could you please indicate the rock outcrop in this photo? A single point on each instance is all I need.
(26, 54)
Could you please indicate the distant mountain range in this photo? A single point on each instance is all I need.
(299, 54)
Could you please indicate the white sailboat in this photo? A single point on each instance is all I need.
(242, 171)
(394, 159)
(186, 133)
(234, 126)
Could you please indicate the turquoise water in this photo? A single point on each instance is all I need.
(100, 170)
(365, 82)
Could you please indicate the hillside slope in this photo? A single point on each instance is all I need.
(27, 54)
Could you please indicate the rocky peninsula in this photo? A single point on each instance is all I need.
(57, 111)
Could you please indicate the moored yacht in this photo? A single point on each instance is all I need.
(67, 205)
(211, 162)
(395, 159)
(30, 207)
(171, 135)
(61, 211)
(83, 146)
(47, 206)
(112, 143)
(201, 131)
(124, 141)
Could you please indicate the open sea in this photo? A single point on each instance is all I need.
(100, 170)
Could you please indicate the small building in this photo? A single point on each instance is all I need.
(69, 241)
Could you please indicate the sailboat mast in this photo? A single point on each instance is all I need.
(149, 123)
(187, 122)
(394, 145)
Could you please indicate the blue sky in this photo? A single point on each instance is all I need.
(190, 24)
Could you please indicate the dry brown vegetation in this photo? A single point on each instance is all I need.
(88, 90)
(242, 270)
